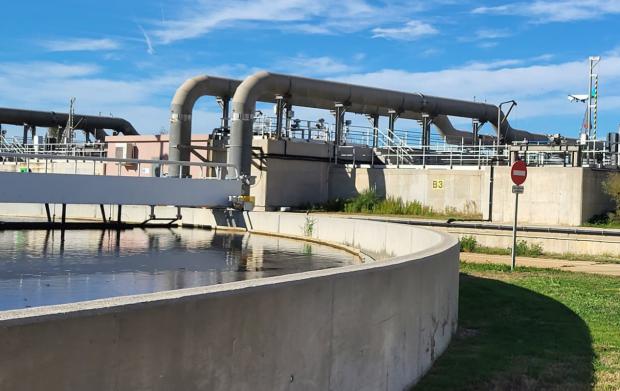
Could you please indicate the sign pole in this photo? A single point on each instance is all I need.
(514, 234)
(518, 174)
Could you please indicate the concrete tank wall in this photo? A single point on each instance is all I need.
(284, 178)
(553, 195)
(361, 327)
(461, 190)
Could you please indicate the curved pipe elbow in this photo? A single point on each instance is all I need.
(182, 94)
(247, 92)
(127, 128)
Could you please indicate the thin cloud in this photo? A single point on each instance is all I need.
(147, 40)
(543, 11)
(316, 66)
(197, 18)
(490, 34)
(540, 89)
(80, 45)
(46, 69)
(410, 31)
(431, 52)
(143, 100)
(204, 17)
(508, 63)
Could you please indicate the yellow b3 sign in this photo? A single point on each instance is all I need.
(438, 184)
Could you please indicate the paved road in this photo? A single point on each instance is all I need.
(610, 269)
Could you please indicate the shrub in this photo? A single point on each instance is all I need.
(526, 249)
(602, 219)
(365, 202)
(611, 187)
(334, 205)
(369, 202)
(468, 244)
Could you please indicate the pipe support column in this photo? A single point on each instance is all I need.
(392, 117)
(280, 106)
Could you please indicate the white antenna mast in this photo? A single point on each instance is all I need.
(69, 128)
(592, 113)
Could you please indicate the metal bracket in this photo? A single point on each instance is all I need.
(224, 103)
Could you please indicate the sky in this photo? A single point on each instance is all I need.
(126, 58)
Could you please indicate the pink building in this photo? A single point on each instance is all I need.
(155, 147)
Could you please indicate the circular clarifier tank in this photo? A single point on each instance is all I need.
(39, 268)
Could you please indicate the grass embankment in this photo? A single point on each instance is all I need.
(603, 225)
(532, 329)
(524, 249)
(368, 202)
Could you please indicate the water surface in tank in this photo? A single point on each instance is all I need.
(37, 268)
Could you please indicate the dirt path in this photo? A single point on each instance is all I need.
(610, 269)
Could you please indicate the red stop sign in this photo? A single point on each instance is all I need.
(518, 172)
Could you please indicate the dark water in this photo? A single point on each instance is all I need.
(37, 269)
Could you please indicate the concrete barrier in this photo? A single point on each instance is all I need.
(362, 327)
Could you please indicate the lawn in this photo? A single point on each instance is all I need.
(524, 249)
(532, 329)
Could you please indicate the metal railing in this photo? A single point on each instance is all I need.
(448, 157)
(15, 145)
(404, 147)
(46, 164)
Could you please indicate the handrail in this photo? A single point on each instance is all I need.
(39, 156)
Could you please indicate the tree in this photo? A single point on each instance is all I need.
(611, 187)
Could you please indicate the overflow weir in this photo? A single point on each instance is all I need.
(260, 334)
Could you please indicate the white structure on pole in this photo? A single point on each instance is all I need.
(590, 123)
(592, 110)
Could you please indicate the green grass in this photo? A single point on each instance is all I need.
(532, 329)
(524, 249)
(368, 202)
(605, 220)
(611, 224)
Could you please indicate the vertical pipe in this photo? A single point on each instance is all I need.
(339, 123)
(375, 130)
(279, 110)
(225, 103)
(392, 116)
(47, 212)
(288, 110)
(425, 130)
(64, 214)
(25, 134)
(102, 213)
(118, 217)
(499, 124)
(475, 126)
(338, 131)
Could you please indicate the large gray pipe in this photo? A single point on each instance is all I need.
(89, 123)
(455, 136)
(182, 107)
(323, 94)
(181, 114)
(191, 90)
